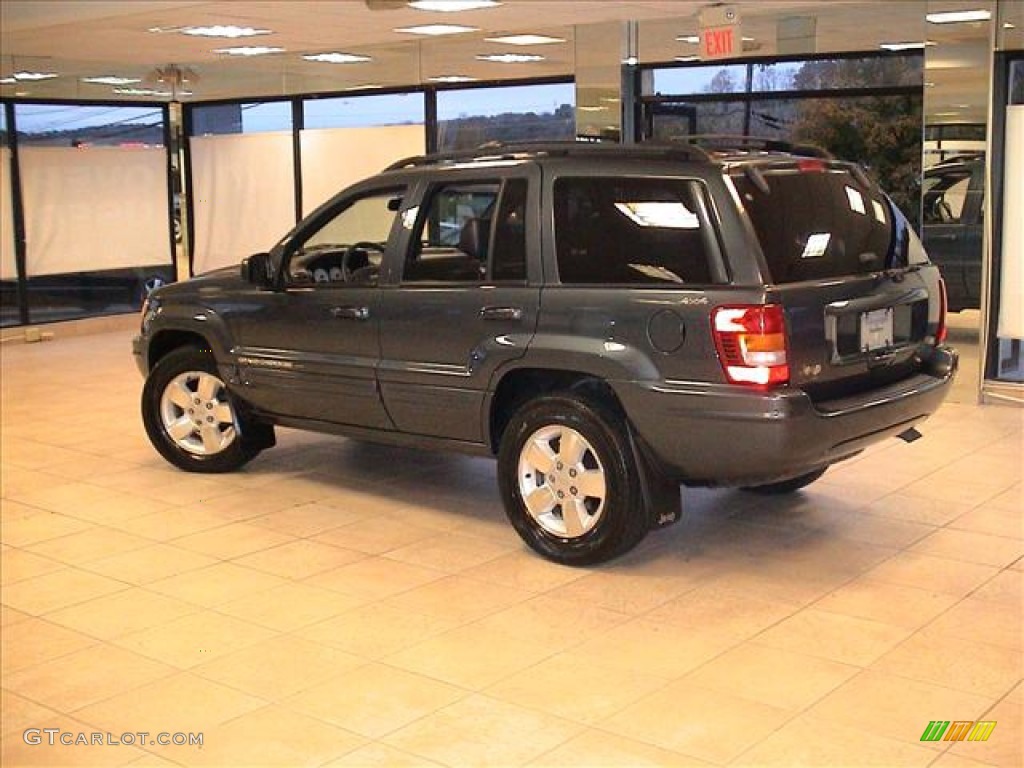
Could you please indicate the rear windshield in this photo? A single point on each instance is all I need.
(817, 222)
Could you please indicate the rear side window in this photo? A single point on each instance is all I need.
(635, 231)
(817, 224)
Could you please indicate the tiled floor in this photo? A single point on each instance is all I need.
(349, 605)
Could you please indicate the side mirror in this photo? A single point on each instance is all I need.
(257, 270)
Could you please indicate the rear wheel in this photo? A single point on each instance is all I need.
(787, 486)
(190, 416)
(569, 481)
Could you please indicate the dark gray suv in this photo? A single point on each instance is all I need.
(610, 322)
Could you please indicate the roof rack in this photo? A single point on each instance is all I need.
(517, 151)
(729, 141)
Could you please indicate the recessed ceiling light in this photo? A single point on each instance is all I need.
(249, 50)
(955, 17)
(510, 58)
(337, 58)
(450, 6)
(907, 46)
(452, 79)
(437, 29)
(34, 75)
(112, 80)
(525, 39)
(224, 31)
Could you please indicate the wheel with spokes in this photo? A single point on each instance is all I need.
(569, 481)
(190, 417)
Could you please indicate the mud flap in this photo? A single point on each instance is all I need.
(662, 498)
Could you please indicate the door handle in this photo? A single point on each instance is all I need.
(501, 313)
(351, 313)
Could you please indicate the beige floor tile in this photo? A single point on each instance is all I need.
(917, 509)
(130, 610)
(938, 656)
(814, 741)
(1010, 500)
(18, 564)
(452, 552)
(1005, 587)
(834, 636)
(594, 748)
(575, 690)
(623, 592)
(91, 544)
(892, 604)
(16, 752)
(992, 520)
(170, 524)
(20, 713)
(278, 667)
(938, 574)
(376, 755)
(979, 620)
(716, 609)
(471, 657)
(35, 641)
(698, 722)
(779, 678)
(10, 616)
(497, 738)
(1004, 747)
(550, 622)
(17, 481)
(373, 535)
(374, 631)
(167, 484)
(374, 578)
(52, 591)
(532, 574)
(953, 760)
(181, 703)
(232, 540)
(85, 677)
(148, 564)
(300, 559)
(24, 530)
(374, 700)
(971, 547)
(216, 584)
(290, 606)
(307, 519)
(457, 598)
(271, 736)
(193, 639)
(895, 707)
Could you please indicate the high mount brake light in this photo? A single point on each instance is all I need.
(811, 166)
(751, 342)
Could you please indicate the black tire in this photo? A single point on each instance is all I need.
(787, 486)
(183, 369)
(603, 527)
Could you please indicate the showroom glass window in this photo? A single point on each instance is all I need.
(241, 117)
(363, 111)
(10, 313)
(96, 207)
(469, 117)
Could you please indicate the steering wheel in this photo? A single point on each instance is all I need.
(348, 271)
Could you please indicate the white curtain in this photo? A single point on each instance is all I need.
(243, 195)
(1011, 279)
(94, 208)
(334, 158)
(8, 265)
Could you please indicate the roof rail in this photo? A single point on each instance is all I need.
(730, 141)
(516, 151)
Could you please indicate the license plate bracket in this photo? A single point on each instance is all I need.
(876, 329)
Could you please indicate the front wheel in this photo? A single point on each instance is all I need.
(569, 481)
(787, 486)
(190, 417)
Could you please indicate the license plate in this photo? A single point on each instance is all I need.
(876, 329)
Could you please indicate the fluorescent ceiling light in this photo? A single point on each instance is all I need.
(452, 79)
(907, 46)
(955, 17)
(591, 109)
(525, 39)
(7, 81)
(249, 50)
(147, 92)
(437, 29)
(364, 87)
(34, 75)
(1008, 25)
(687, 58)
(510, 58)
(224, 31)
(336, 58)
(112, 80)
(694, 39)
(450, 6)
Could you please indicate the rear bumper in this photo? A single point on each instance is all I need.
(725, 435)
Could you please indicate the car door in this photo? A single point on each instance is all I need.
(311, 351)
(951, 203)
(465, 300)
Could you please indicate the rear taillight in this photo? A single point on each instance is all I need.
(751, 342)
(940, 332)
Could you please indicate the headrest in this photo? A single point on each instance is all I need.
(473, 237)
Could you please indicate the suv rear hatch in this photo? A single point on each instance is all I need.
(863, 307)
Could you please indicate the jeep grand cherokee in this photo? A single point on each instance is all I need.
(609, 322)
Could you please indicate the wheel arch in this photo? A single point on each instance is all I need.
(170, 339)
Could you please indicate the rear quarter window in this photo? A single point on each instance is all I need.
(817, 224)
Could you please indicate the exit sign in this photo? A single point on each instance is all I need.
(720, 32)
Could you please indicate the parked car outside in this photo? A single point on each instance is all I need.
(610, 323)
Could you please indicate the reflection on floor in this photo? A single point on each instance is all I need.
(350, 605)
